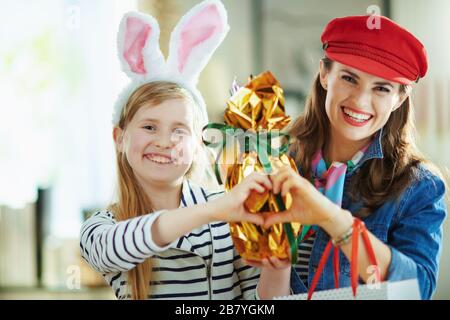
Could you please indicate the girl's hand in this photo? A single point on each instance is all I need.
(309, 206)
(231, 208)
(275, 277)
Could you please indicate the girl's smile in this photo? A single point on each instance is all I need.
(159, 142)
(160, 159)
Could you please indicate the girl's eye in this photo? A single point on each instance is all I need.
(348, 79)
(382, 89)
(181, 131)
(151, 128)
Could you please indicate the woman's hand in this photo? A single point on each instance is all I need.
(308, 207)
(231, 208)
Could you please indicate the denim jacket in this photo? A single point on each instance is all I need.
(411, 226)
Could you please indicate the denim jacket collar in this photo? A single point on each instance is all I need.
(375, 150)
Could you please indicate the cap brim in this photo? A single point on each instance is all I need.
(369, 66)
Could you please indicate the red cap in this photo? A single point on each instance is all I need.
(389, 52)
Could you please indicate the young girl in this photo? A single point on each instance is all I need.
(355, 144)
(166, 237)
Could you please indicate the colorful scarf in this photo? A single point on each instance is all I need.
(329, 180)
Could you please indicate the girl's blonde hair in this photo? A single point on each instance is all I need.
(379, 179)
(132, 200)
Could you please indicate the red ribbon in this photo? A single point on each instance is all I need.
(358, 227)
(336, 267)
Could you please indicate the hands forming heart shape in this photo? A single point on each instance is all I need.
(308, 206)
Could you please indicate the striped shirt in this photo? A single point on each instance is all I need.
(304, 255)
(202, 264)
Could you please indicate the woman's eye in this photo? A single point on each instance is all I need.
(349, 79)
(382, 89)
(151, 128)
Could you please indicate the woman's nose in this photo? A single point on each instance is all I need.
(362, 98)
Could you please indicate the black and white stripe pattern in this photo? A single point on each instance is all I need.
(304, 255)
(200, 265)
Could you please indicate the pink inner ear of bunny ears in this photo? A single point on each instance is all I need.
(136, 35)
(198, 29)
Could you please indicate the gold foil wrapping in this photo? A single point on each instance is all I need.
(259, 107)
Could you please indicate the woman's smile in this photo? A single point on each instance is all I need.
(354, 117)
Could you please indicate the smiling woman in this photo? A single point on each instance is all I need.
(354, 116)
(355, 143)
(351, 107)
(357, 104)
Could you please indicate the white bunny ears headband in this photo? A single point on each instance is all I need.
(192, 43)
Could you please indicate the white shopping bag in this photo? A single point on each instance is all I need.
(400, 290)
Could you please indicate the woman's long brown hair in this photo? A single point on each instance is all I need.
(379, 180)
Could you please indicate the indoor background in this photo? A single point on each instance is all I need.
(60, 75)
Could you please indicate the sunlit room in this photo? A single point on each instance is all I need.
(60, 77)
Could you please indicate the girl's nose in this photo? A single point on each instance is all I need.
(165, 141)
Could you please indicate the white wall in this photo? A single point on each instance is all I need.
(428, 21)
